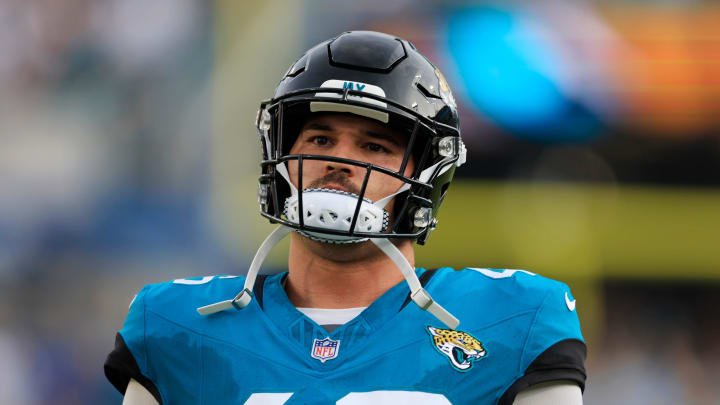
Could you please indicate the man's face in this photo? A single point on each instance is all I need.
(352, 137)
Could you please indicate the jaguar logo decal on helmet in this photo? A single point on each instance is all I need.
(445, 92)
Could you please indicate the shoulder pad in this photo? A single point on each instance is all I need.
(179, 298)
(509, 292)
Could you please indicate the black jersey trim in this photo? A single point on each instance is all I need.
(258, 289)
(120, 367)
(424, 279)
(565, 360)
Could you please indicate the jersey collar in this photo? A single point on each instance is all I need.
(278, 307)
(302, 330)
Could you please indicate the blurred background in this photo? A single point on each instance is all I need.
(128, 156)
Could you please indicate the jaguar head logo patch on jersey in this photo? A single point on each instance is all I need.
(325, 349)
(460, 348)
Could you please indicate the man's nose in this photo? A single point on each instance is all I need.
(340, 167)
(343, 150)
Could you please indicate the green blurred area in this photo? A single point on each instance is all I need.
(571, 231)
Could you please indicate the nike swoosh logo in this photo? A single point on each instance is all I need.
(570, 304)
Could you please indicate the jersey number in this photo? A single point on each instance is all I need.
(356, 398)
(506, 273)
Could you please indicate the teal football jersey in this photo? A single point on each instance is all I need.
(516, 329)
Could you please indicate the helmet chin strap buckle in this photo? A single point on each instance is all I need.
(422, 299)
(239, 302)
(418, 294)
(244, 297)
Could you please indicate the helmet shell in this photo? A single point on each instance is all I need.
(382, 60)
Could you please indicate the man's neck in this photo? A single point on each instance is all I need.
(340, 276)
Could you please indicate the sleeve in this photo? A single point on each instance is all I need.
(129, 357)
(552, 393)
(554, 349)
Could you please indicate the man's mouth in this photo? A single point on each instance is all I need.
(336, 187)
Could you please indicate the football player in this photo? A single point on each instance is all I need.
(359, 143)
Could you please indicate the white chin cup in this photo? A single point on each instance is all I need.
(334, 209)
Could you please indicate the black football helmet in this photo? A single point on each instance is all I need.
(377, 76)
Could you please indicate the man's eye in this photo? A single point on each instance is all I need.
(373, 147)
(320, 140)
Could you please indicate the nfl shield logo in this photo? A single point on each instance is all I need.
(325, 349)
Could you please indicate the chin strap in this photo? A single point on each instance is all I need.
(245, 296)
(417, 293)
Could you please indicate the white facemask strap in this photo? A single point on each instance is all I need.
(424, 176)
(282, 169)
(245, 296)
(381, 203)
(417, 292)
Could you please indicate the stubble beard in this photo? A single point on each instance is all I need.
(335, 178)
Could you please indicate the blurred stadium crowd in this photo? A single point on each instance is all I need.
(124, 159)
(104, 161)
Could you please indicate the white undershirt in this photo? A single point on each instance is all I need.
(324, 316)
